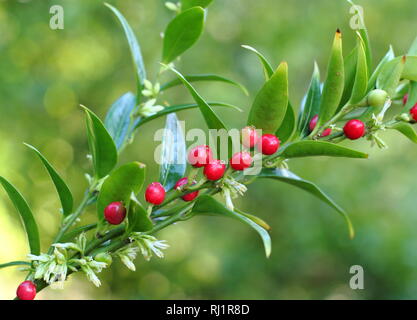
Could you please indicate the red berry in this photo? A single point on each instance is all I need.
(240, 161)
(189, 196)
(413, 112)
(200, 156)
(249, 137)
(405, 99)
(115, 213)
(214, 170)
(313, 124)
(268, 144)
(155, 193)
(26, 291)
(354, 129)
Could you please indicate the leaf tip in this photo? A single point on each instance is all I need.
(108, 5)
(141, 165)
(351, 232)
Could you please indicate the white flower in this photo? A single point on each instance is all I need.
(149, 108)
(127, 256)
(232, 189)
(235, 187)
(91, 267)
(227, 197)
(149, 245)
(156, 245)
(68, 245)
(173, 6)
(151, 91)
(42, 258)
(96, 265)
(91, 276)
(53, 268)
(82, 242)
(59, 276)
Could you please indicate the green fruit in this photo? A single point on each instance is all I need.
(104, 257)
(377, 98)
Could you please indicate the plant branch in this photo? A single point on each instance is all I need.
(73, 218)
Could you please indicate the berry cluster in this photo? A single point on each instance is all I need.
(213, 170)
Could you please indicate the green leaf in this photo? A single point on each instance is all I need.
(412, 97)
(173, 154)
(64, 192)
(334, 84)
(388, 57)
(206, 205)
(255, 219)
(212, 119)
(26, 214)
(311, 105)
(138, 220)
(118, 121)
(406, 129)
(270, 104)
(14, 263)
(134, 48)
(182, 32)
(319, 148)
(390, 75)
(290, 178)
(119, 186)
(360, 84)
(180, 107)
(413, 49)
(350, 65)
(102, 147)
(268, 70)
(203, 77)
(187, 4)
(286, 130)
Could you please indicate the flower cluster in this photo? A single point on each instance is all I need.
(53, 268)
(145, 244)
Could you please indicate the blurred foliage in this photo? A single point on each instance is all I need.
(45, 74)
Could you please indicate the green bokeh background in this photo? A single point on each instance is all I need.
(45, 74)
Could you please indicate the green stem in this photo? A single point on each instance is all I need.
(14, 263)
(112, 247)
(332, 137)
(73, 233)
(168, 212)
(74, 216)
(168, 221)
(108, 236)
